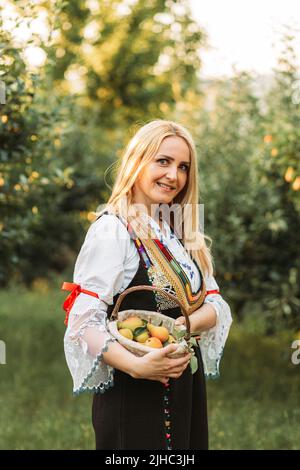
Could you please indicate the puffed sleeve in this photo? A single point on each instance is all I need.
(213, 341)
(99, 268)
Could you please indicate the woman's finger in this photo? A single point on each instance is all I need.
(163, 380)
(180, 361)
(177, 370)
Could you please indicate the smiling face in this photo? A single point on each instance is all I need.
(170, 166)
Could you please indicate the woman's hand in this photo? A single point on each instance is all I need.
(180, 321)
(156, 365)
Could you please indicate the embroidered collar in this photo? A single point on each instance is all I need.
(168, 264)
(185, 261)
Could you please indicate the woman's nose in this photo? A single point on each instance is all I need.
(172, 174)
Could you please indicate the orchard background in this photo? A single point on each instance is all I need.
(77, 86)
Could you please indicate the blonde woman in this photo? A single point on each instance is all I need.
(153, 401)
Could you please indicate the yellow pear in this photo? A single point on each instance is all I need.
(142, 337)
(153, 342)
(159, 332)
(171, 339)
(132, 323)
(126, 332)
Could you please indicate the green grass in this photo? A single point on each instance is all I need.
(253, 405)
(255, 402)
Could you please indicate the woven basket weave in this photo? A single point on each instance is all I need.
(156, 318)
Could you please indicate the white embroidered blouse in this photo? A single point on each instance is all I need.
(106, 264)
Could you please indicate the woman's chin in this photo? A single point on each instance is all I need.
(162, 199)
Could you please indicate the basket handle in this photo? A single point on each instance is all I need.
(153, 288)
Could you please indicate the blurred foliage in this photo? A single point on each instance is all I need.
(278, 171)
(124, 63)
(65, 139)
(247, 148)
(131, 61)
(34, 179)
(114, 65)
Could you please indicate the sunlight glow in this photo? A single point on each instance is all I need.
(27, 31)
(244, 33)
(35, 56)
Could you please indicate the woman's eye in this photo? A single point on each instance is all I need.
(185, 167)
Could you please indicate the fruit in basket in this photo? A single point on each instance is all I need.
(159, 332)
(153, 342)
(126, 332)
(171, 339)
(140, 335)
(132, 323)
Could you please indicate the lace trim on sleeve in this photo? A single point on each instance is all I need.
(89, 372)
(213, 341)
(96, 375)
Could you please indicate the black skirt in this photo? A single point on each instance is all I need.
(140, 414)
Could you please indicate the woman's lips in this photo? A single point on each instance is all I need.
(164, 188)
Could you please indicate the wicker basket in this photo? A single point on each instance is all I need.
(156, 318)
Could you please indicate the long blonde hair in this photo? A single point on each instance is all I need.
(140, 150)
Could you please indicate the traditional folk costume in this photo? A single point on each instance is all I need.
(130, 413)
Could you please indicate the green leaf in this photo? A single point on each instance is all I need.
(139, 330)
(179, 333)
(194, 364)
(193, 341)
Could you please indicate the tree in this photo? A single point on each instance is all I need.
(33, 179)
(249, 162)
(134, 61)
(279, 169)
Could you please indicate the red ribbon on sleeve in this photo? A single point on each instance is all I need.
(75, 291)
(212, 292)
